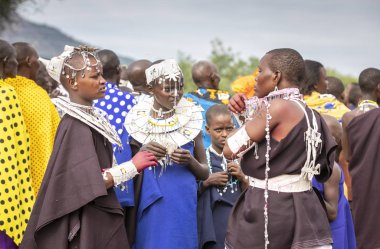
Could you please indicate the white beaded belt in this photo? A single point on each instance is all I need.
(283, 183)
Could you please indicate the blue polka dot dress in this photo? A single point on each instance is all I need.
(117, 104)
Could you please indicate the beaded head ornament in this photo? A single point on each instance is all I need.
(59, 66)
(166, 70)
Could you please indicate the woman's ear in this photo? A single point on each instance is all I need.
(73, 84)
(277, 77)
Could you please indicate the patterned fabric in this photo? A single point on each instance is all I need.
(117, 104)
(326, 104)
(16, 193)
(207, 98)
(342, 228)
(41, 120)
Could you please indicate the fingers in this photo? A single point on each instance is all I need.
(237, 104)
(155, 148)
(181, 156)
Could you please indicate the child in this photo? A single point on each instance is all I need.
(77, 207)
(169, 126)
(222, 188)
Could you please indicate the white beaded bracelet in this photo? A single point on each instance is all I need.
(121, 173)
(238, 140)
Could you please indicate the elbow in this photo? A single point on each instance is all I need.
(227, 152)
(332, 214)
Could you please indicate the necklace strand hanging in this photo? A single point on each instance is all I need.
(92, 116)
(232, 183)
(253, 105)
(367, 105)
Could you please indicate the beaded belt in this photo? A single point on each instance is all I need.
(283, 183)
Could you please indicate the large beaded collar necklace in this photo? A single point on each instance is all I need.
(91, 116)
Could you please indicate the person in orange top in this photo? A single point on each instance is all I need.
(40, 115)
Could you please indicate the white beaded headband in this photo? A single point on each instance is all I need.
(167, 69)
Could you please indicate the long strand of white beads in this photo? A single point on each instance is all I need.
(266, 195)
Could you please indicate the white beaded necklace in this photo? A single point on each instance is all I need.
(232, 184)
(90, 115)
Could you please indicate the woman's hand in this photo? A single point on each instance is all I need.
(181, 156)
(157, 149)
(237, 103)
(144, 159)
(216, 179)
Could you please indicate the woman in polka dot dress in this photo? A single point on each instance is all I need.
(16, 193)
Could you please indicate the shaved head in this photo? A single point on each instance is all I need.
(111, 65)
(216, 110)
(369, 80)
(8, 60)
(136, 72)
(27, 58)
(24, 51)
(205, 74)
(6, 49)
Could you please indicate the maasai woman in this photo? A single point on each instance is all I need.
(169, 126)
(291, 145)
(77, 207)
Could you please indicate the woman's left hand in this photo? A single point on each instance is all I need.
(181, 156)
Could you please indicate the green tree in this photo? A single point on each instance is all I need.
(229, 64)
(8, 11)
(345, 78)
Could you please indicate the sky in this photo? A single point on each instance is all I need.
(341, 34)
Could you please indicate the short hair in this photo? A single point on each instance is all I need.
(354, 94)
(369, 79)
(136, 72)
(289, 62)
(313, 74)
(23, 50)
(110, 63)
(215, 110)
(200, 71)
(335, 86)
(6, 49)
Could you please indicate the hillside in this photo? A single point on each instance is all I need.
(48, 41)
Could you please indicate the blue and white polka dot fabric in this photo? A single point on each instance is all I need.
(117, 104)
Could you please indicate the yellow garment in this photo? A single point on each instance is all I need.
(16, 193)
(42, 121)
(326, 104)
(245, 84)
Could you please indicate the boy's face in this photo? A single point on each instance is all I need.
(219, 127)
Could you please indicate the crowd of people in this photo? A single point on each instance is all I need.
(94, 154)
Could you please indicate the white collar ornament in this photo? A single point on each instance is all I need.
(173, 132)
(91, 116)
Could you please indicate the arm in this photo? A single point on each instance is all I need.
(255, 128)
(119, 174)
(332, 193)
(214, 179)
(197, 163)
(235, 170)
(345, 145)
